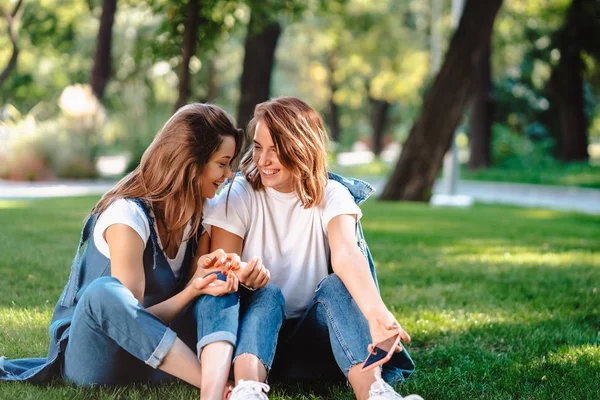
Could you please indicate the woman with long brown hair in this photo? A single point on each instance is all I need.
(138, 298)
(305, 224)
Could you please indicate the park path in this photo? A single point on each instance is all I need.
(524, 195)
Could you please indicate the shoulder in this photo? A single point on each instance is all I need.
(124, 208)
(239, 190)
(335, 191)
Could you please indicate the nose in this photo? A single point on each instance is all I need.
(228, 172)
(263, 158)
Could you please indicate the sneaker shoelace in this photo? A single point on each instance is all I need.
(381, 388)
(250, 390)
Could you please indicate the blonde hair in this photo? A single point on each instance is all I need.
(300, 140)
(169, 172)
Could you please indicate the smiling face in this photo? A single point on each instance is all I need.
(218, 168)
(272, 173)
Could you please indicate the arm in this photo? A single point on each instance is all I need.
(350, 265)
(126, 257)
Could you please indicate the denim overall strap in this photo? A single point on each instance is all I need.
(153, 235)
(68, 295)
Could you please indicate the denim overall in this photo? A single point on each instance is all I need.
(99, 332)
(331, 336)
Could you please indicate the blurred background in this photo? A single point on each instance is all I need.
(513, 86)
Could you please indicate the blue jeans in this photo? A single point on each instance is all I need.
(331, 336)
(114, 340)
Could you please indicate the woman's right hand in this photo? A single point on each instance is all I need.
(211, 285)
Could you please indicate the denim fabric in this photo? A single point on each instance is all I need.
(67, 332)
(217, 318)
(329, 339)
(112, 335)
(262, 313)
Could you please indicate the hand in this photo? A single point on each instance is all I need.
(216, 261)
(215, 287)
(382, 326)
(253, 274)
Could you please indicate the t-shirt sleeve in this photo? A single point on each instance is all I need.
(230, 210)
(125, 212)
(338, 201)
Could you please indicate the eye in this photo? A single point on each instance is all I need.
(223, 165)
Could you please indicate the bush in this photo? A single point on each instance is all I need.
(513, 150)
(48, 145)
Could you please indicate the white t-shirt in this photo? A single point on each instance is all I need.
(125, 211)
(291, 240)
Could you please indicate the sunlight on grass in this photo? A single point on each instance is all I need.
(441, 322)
(574, 354)
(539, 214)
(8, 204)
(25, 330)
(24, 318)
(517, 256)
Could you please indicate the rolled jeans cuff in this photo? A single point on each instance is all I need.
(162, 349)
(221, 336)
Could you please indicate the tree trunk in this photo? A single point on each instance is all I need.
(213, 86)
(481, 114)
(566, 84)
(259, 59)
(334, 109)
(102, 61)
(379, 116)
(443, 106)
(190, 37)
(12, 20)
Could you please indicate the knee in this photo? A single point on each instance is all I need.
(105, 291)
(331, 285)
(211, 304)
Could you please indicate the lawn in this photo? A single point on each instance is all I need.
(501, 302)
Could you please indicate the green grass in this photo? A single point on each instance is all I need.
(574, 174)
(501, 302)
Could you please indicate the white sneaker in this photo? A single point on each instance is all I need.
(380, 390)
(249, 390)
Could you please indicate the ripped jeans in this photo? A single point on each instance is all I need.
(331, 336)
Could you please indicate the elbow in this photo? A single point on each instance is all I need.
(348, 261)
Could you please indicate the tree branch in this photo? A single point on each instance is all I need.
(12, 20)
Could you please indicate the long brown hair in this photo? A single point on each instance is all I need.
(300, 140)
(169, 172)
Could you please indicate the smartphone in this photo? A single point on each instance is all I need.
(382, 352)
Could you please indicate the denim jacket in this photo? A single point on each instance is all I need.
(400, 366)
(161, 284)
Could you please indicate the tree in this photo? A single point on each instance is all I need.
(101, 70)
(12, 18)
(431, 135)
(480, 134)
(379, 119)
(190, 37)
(579, 33)
(259, 59)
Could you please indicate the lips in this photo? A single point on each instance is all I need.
(269, 172)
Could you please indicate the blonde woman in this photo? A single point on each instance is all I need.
(138, 301)
(321, 308)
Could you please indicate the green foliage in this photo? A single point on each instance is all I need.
(45, 143)
(513, 150)
(501, 302)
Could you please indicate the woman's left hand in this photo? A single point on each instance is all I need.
(215, 287)
(383, 325)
